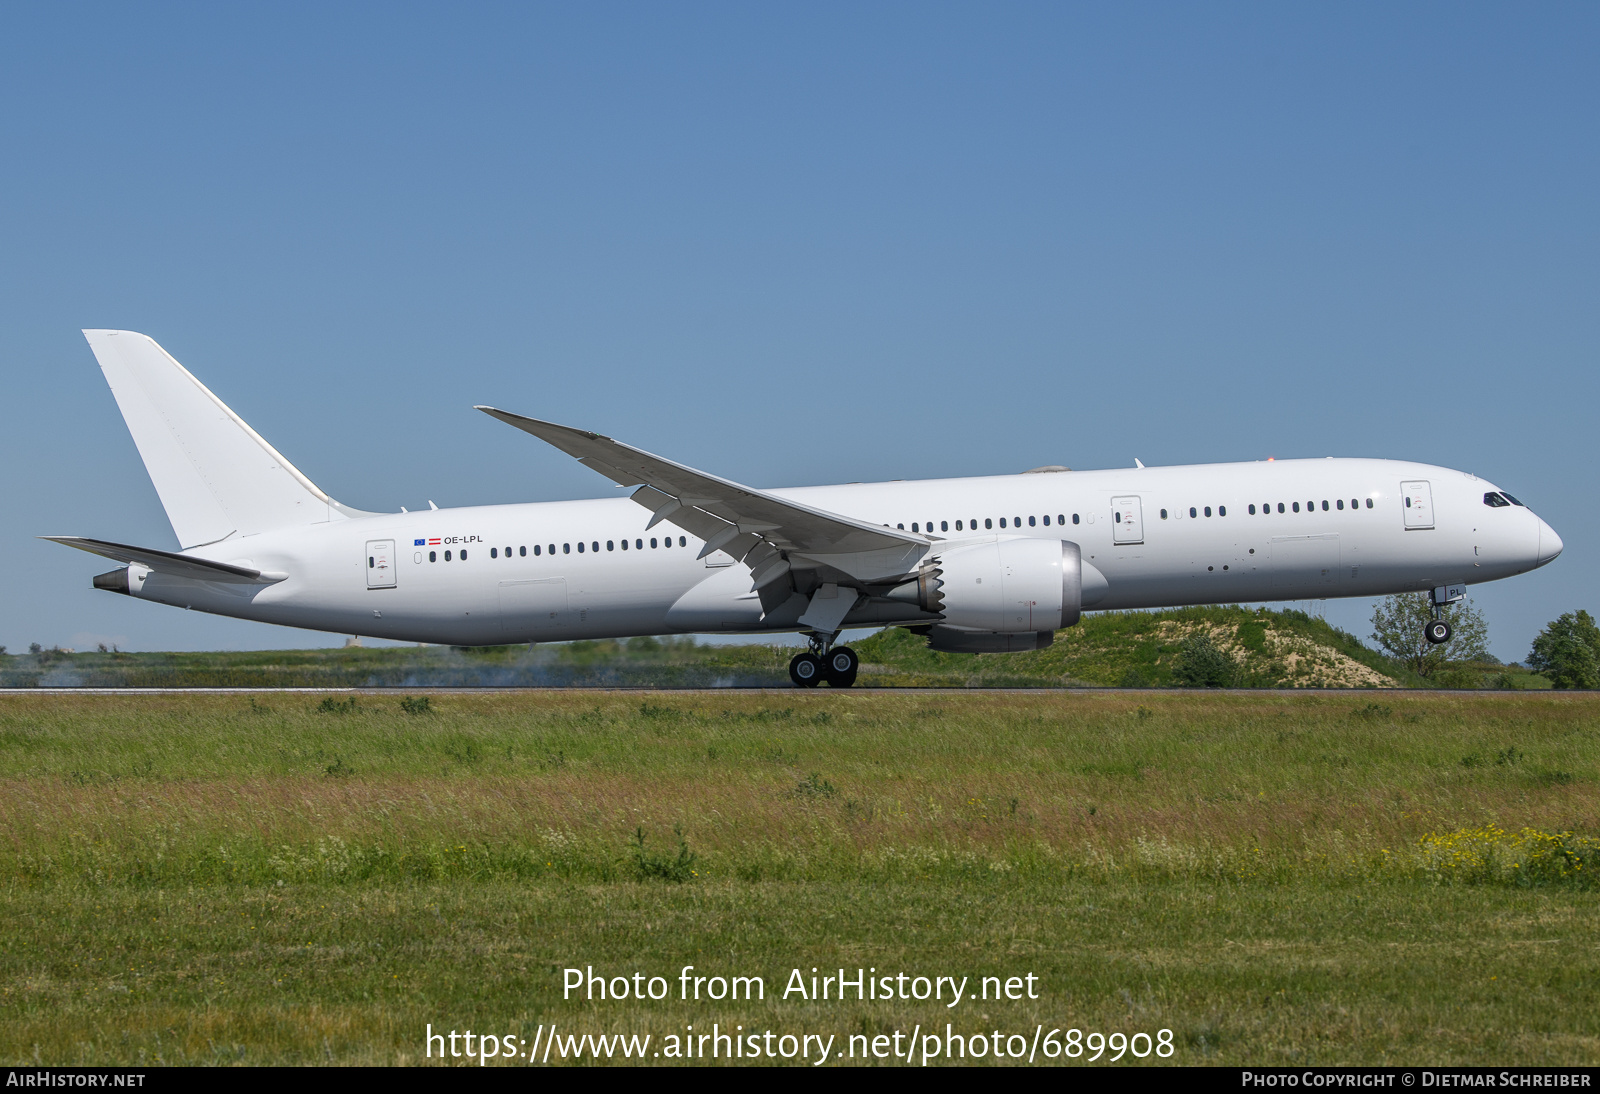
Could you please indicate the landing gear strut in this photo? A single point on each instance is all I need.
(824, 662)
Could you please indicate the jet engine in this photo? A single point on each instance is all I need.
(1004, 596)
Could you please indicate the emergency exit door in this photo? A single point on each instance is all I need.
(1417, 498)
(380, 564)
(1127, 520)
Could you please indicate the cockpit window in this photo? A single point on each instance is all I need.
(1511, 499)
(1495, 501)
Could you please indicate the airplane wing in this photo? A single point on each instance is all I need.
(731, 517)
(166, 562)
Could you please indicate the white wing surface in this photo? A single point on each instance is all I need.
(752, 525)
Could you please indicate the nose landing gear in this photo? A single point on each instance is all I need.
(837, 665)
(1437, 630)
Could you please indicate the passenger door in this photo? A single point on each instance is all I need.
(1418, 499)
(1127, 520)
(380, 564)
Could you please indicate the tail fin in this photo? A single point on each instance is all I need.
(216, 476)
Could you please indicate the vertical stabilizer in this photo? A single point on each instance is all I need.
(216, 476)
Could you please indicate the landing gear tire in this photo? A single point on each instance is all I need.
(805, 669)
(840, 666)
(1437, 632)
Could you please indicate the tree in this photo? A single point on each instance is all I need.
(1201, 664)
(1568, 651)
(1397, 624)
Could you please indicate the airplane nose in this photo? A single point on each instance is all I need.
(1549, 543)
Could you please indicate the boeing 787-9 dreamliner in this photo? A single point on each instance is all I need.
(977, 565)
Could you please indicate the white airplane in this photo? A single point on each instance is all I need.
(977, 565)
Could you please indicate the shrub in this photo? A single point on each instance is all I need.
(416, 704)
(649, 864)
(1202, 665)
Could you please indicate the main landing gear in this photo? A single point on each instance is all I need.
(837, 666)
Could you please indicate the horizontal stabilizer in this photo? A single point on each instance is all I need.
(175, 565)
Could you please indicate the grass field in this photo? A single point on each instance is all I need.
(1276, 878)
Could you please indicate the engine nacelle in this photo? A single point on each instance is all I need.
(1000, 596)
(1012, 585)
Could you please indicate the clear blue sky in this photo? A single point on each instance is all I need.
(795, 244)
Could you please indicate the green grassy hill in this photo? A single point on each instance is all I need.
(1116, 649)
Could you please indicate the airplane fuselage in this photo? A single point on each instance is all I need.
(1160, 536)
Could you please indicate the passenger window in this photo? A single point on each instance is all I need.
(1208, 510)
(1016, 522)
(902, 527)
(1061, 518)
(552, 549)
(1163, 514)
(944, 525)
(1002, 522)
(433, 556)
(1222, 510)
(624, 545)
(1339, 503)
(988, 522)
(1324, 505)
(1192, 512)
(1369, 503)
(524, 550)
(638, 545)
(463, 556)
(1046, 520)
(1355, 503)
(566, 548)
(1310, 506)
(1030, 521)
(1252, 509)
(914, 527)
(1296, 507)
(580, 547)
(494, 553)
(958, 526)
(447, 556)
(1074, 518)
(595, 545)
(682, 542)
(1280, 507)
(611, 545)
(652, 543)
